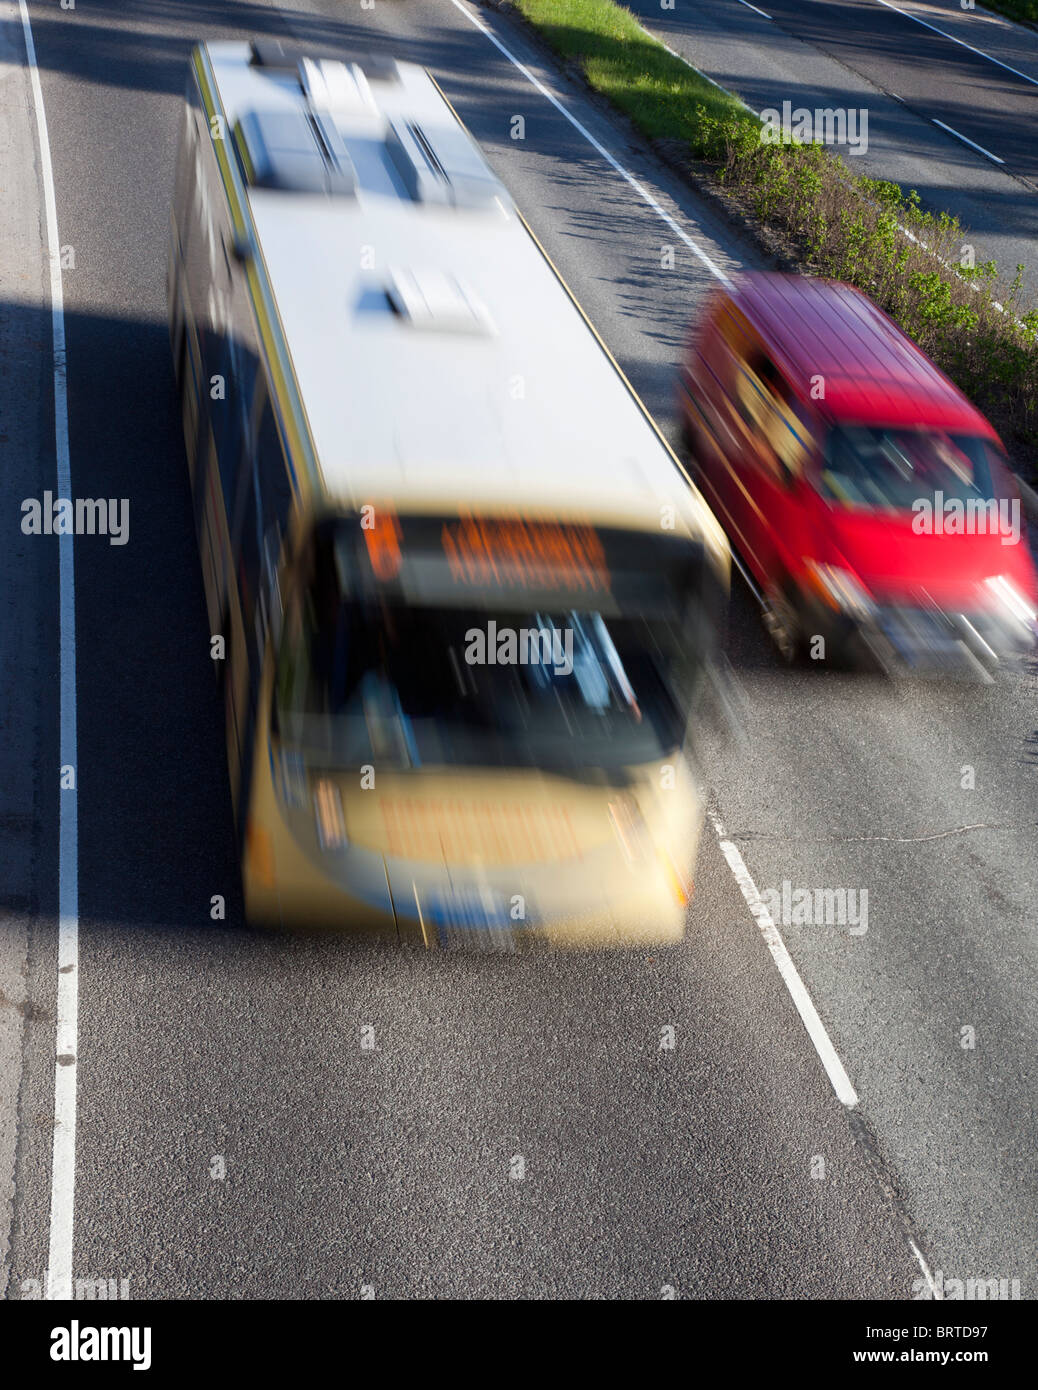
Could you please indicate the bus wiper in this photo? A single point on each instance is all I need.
(615, 664)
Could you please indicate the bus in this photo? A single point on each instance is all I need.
(464, 599)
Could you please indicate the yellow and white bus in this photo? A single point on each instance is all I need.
(465, 597)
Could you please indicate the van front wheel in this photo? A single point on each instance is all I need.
(782, 622)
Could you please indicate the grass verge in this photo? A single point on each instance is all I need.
(1025, 11)
(661, 94)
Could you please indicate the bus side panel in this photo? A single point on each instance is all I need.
(218, 379)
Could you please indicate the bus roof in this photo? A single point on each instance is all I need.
(438, 357)
(872, 372)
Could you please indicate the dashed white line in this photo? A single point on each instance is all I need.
(966, 140)
(610, 159)
(834, 1068)
(935, 1292)
(63, 1163)
(961, 42)
(707, 78)
(755, 9)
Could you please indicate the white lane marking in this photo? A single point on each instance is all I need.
(834, 1068)
(614, 163)
(961, 42)
(935, 1292)
(707, 78)
(754, 9)
(63, 1164)
(966, 140)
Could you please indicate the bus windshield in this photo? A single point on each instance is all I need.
(366, 677)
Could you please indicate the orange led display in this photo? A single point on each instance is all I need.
(383, 541)
(481, 551)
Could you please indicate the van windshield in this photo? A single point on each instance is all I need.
(891, 469)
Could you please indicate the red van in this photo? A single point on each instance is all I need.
(870, 500)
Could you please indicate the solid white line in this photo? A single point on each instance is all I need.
(63, 1164)
(834, 1068)
(966, 140)
(754, 9)
(614, 163)
(961, 42)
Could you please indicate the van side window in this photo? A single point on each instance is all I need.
(769, 407)
(734, 331)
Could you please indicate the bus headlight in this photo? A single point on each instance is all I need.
(680, 884)
(331, 820)
(630, 828)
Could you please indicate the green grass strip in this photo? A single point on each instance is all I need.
(621, 60)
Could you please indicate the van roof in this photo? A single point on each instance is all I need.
(873, 373)
(437, 355)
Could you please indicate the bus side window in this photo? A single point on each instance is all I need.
(273, 470)
(267, 505)
(223, 317)
(237, 368)
(276, 509)
(248, 550)
(186, 173)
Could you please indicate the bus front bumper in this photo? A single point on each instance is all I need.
(423, 904)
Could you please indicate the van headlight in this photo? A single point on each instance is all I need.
(841, 590)
(1010, 598)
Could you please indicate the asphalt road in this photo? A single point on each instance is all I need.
(971, 70)
(234, 1137)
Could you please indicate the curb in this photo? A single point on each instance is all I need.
(1029, 498)
(1008, 18)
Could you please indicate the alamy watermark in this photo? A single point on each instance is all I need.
(818, 907)
(976, 516)
(829, 125)
(525, 646)
(84, 516)
(80, 1342)
(89, 1289)
(940, 1286)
